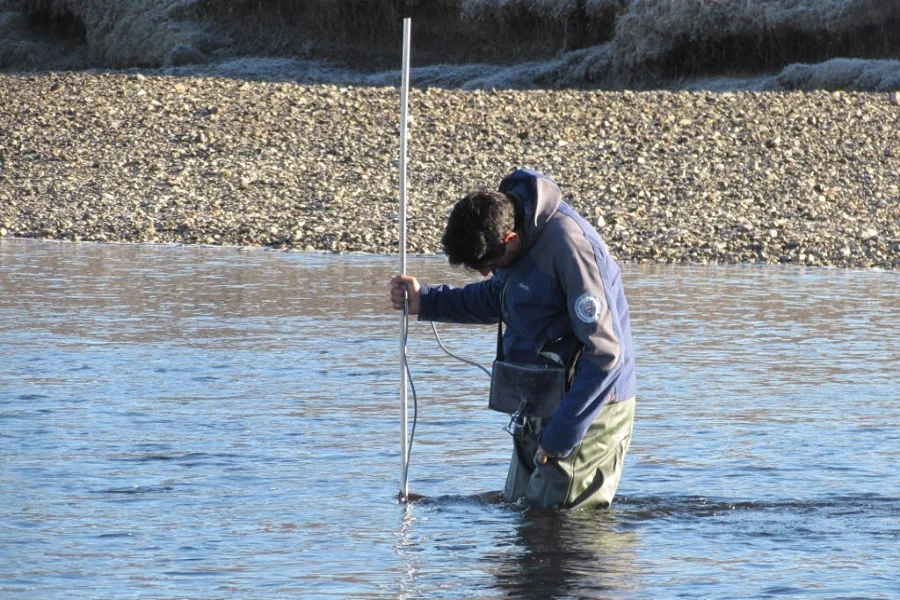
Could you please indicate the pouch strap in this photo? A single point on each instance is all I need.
(500, 355)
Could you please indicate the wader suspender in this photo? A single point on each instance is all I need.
(500, 355)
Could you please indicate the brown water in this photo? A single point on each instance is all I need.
(208, 422)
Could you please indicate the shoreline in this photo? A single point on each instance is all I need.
(429, 256)
(804, 178)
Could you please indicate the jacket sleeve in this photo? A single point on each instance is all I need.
(590, 318)
(474, 303)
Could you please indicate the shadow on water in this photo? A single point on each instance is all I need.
(694, 507)
(579, 553)
(544, 553)
(682, 507)
(483, 499)
(603, 553)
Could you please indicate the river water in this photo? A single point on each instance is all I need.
(211, 422)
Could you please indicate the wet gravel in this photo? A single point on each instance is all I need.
(749, 177)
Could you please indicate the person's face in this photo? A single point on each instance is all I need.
(511, 247)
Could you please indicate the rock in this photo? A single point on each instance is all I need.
(666, 177)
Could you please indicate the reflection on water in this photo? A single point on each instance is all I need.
(207, 422)
(579, 555)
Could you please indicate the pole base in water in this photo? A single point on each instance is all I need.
(408, 498)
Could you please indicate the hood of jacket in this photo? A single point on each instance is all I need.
(537, 196)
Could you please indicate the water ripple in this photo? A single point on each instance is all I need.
(199, 422)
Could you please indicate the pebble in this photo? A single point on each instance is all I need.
(692, 177)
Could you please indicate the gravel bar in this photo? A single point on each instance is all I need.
(809, 178)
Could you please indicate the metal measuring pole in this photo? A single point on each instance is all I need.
(404, 317)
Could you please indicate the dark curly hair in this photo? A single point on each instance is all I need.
(476, 226)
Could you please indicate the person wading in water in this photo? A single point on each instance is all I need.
(565, 368)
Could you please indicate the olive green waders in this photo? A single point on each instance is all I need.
(588, 477)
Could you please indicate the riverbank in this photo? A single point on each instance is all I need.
(798, 178)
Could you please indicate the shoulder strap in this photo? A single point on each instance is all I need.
(500, 355)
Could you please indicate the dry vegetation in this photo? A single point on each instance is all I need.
(604, 43)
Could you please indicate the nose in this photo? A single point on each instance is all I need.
(485, 271)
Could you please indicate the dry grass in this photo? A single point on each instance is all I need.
(117, 34)
(708, 35)
(579, 42)
(841, 74)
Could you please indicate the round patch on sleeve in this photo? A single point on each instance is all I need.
(587, 308)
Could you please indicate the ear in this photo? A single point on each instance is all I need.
(512, 235)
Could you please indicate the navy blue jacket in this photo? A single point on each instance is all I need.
(564, 284)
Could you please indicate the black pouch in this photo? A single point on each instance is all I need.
(533, 390)
(528, 390)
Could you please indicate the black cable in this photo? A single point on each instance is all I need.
(412, 433)
(465, 360)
